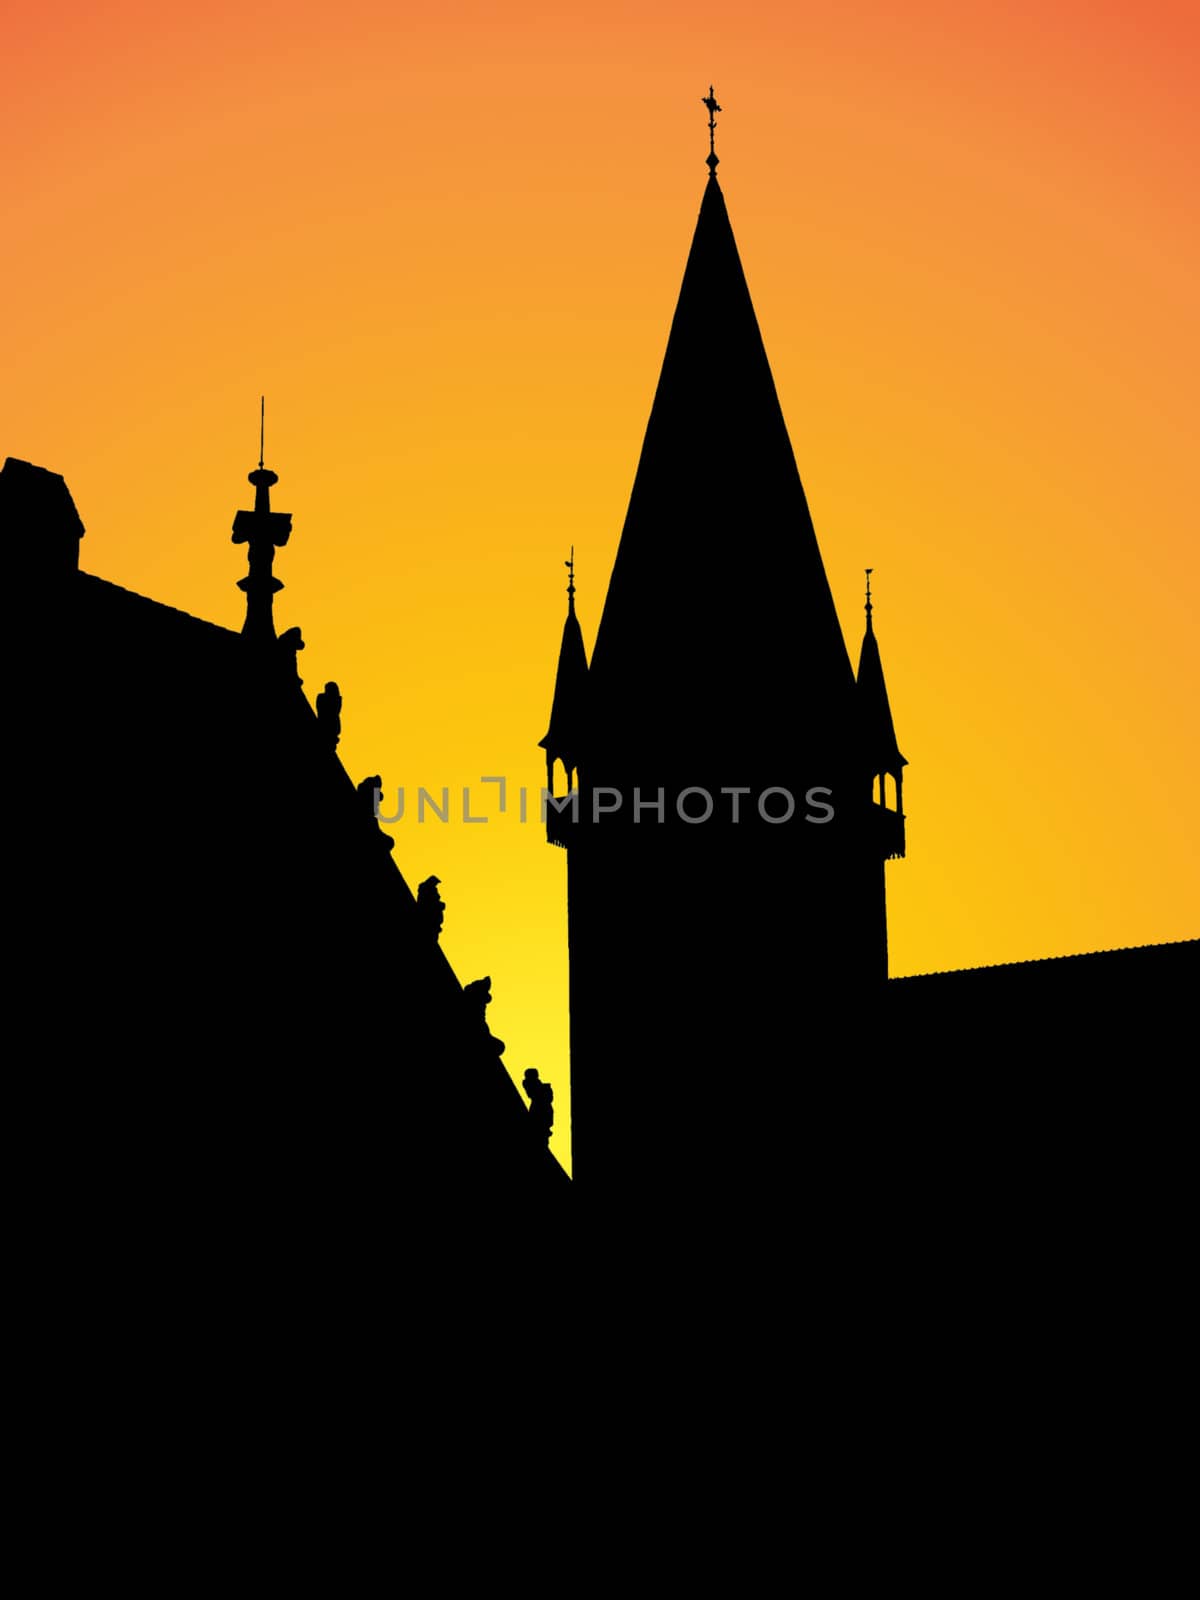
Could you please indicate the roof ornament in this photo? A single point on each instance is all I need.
(713, 159)
(264, 531)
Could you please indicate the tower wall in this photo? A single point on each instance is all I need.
(717, 972)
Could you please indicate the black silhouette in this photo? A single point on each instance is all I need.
(563, 739)
(709, 102)
(369, 791)
(716, 668)
(431, 906)
(264, 531)
(329, 714)
(206, 901)
(204, 898)
(541, 1103)
(715, 938)
(478, 996)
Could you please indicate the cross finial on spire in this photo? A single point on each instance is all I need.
(712, 160)
(570, 566)
(870, 607)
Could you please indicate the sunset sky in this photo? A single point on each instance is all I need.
(446, 240)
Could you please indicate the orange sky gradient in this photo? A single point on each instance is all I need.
(446, 242)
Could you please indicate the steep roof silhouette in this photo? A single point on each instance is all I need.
(211, 888)
(875, 713)
(718, 583)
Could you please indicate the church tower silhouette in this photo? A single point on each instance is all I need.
(726, 806)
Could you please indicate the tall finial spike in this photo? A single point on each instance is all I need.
(713, 159)
(870, 607)
(570, 566)
(264, 531)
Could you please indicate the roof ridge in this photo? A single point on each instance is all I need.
(160, 605)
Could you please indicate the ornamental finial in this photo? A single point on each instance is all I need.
(712, 160)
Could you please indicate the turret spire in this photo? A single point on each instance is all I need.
(564, 738)
(879, 733)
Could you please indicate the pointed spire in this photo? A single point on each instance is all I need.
(263, 530)
(563, 740)
(875, 712)
(700, 651)
(713, 160)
